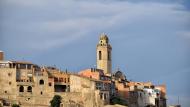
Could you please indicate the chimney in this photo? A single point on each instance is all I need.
(1, 55)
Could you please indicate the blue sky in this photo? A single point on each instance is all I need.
(150, 38)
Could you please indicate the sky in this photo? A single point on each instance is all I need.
(150, 38)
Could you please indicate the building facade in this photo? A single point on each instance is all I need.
(30, 85)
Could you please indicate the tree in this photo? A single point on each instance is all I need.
(56, 101)
(15, 105)
(117, 100)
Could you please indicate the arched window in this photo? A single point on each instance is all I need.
(29, 89)
(100, 55)
(41, 82)
(21, 89)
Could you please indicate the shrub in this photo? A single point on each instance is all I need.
(56, 101)
(15, 105)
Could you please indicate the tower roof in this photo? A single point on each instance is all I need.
(103, 36)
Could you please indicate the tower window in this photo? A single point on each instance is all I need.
(41, 82)
(109, 55)
(29, 89)
(100, 55)
(21, 89)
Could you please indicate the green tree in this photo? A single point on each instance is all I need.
(15, 105)
(117, 100)
(55, 102)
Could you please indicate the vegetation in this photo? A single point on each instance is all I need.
(56, 101)
(15, 105)
(117, 100)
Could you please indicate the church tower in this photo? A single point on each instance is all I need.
(103, 52)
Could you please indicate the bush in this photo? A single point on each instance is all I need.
(117, 100)
(56, 101)
(15, 105)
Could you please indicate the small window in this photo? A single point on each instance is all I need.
(41, 92)
(21, 89)
(5, 91)
(9, 74)
(9, 83)
(50, 84)
(29, 89)
(100, 55)
(68, 80)
(41, 82)
(65, 80)
(105, 97)
(140, 95)
(109, 55)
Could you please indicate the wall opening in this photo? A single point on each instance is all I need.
(50, 84)
(29, 89)
(21, 89)
(41, 82)
(109, 55)
(100, 55)
(60, 88)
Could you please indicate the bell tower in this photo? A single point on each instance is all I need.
(103, 52)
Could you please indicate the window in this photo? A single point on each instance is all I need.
(109, 55)
(29, 89)
(68, 80)
(49, 83)
(22, 66)
(41, 92)
(29, 66)
(9, 83)
(100, 55)
(41, 82)
(65, 80)
(21, 89)
(105, 97)
(9, 74)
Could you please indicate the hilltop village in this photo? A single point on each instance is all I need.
(31, 85)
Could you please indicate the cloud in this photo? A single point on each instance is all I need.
(60, 23)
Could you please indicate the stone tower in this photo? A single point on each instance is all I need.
(103, 52)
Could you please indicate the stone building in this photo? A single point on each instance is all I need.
(103, 82)
(30, 85)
